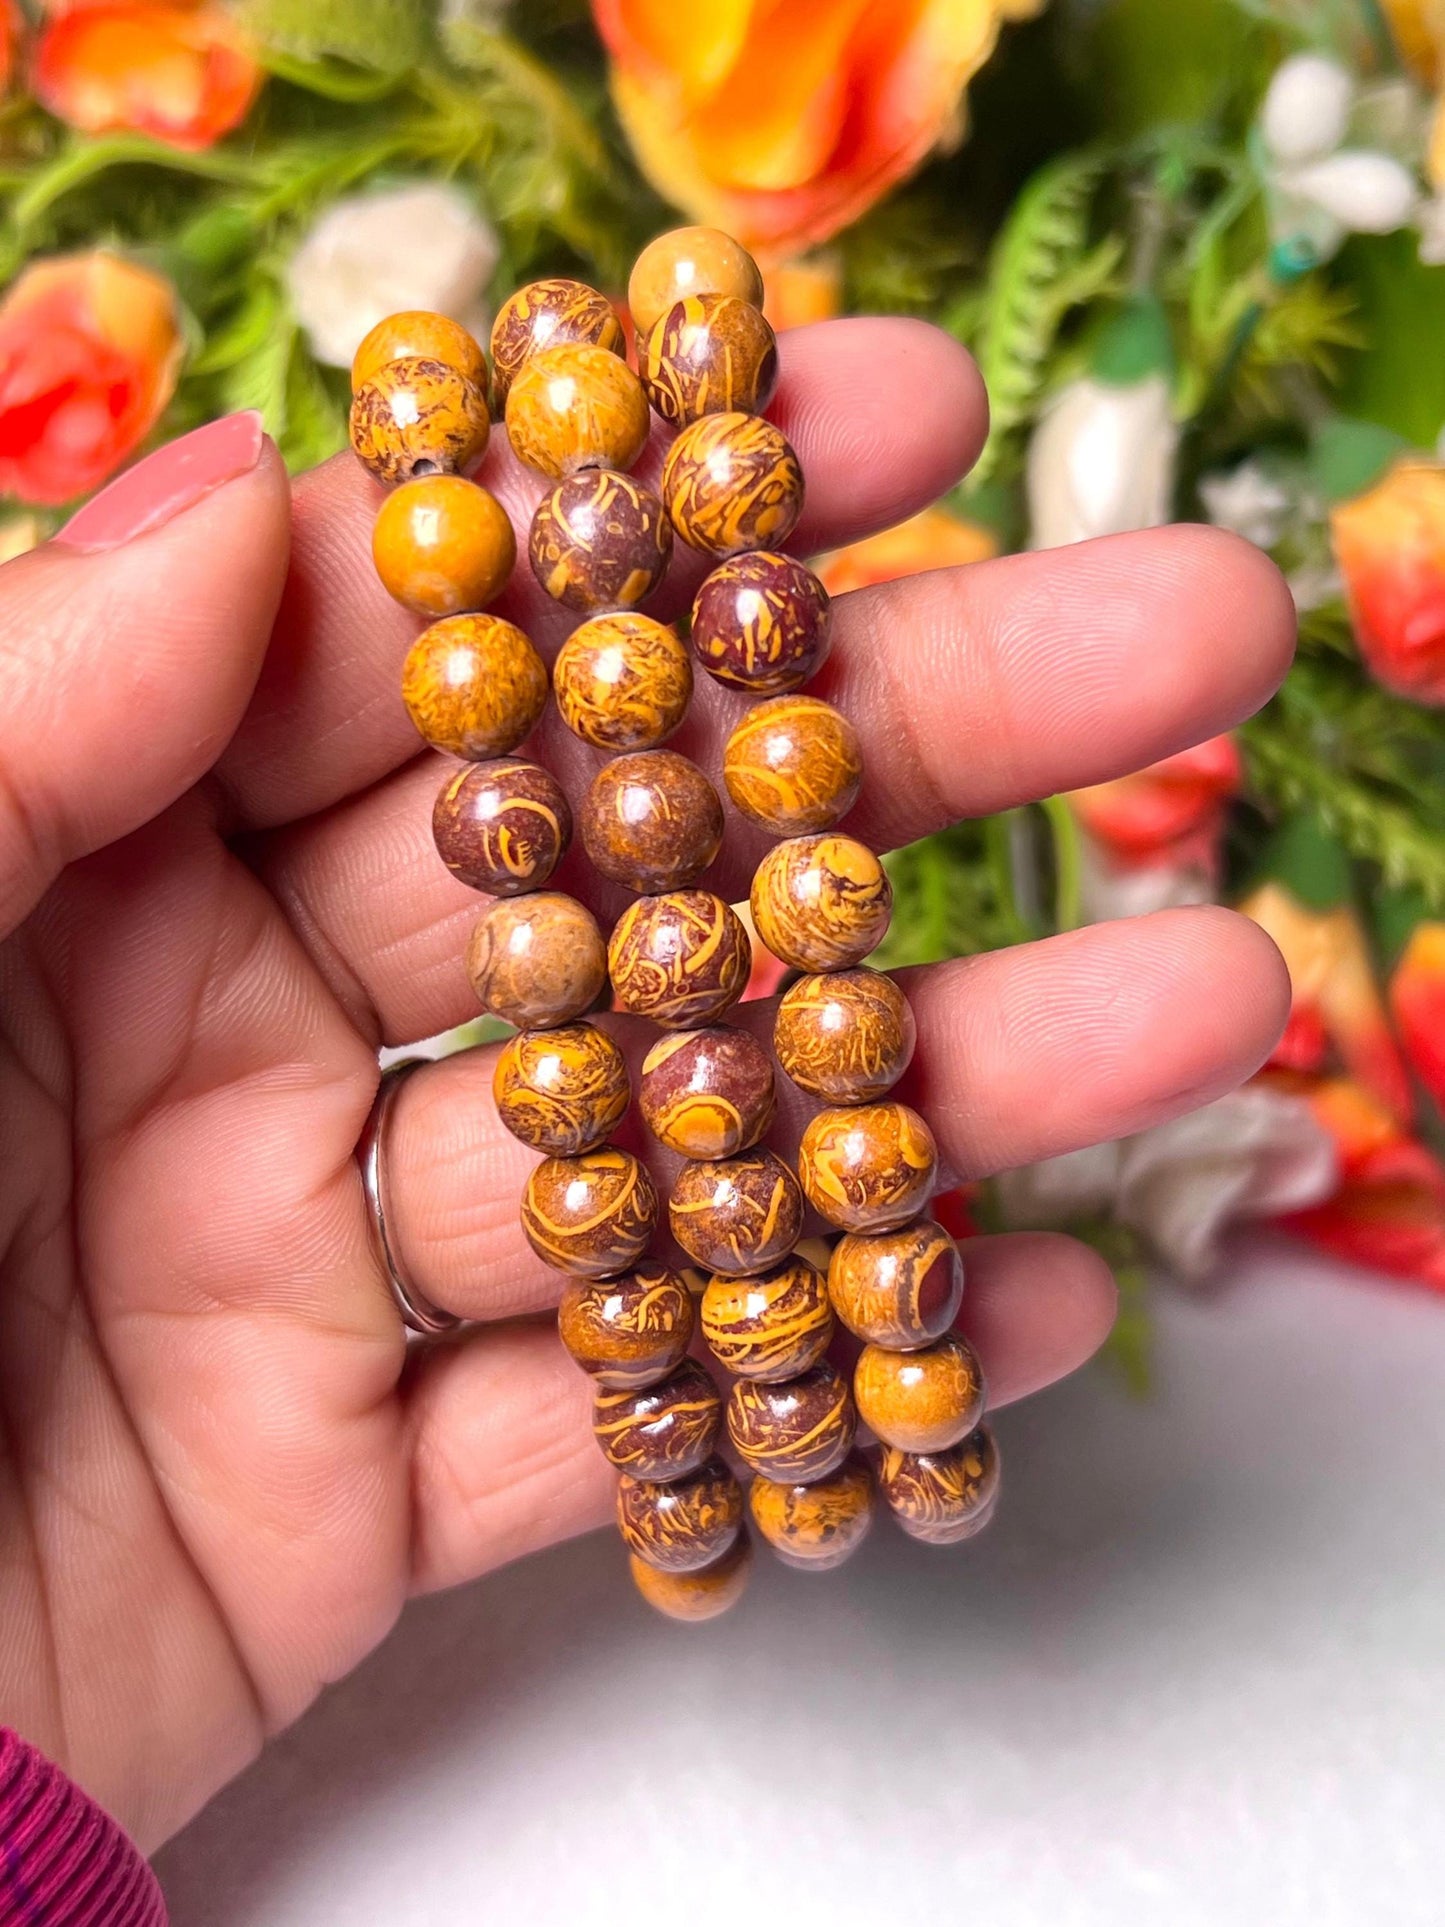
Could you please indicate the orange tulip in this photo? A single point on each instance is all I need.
(1390, 545)
(1140, 818)
(181, 74)
(89, 354)
(1417, 1003)
(799, 292)
(933, 540)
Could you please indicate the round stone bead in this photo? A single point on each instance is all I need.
(869, 1167)
(651, 821)
(576, 407)
(623, 681)
(664, 1431)
(474, 686)
(815, 1527)
(689, 261)
(683, 1524)
(682, 959)
(770, 1327)
(561, 1091)
(545, 314)
(796, 1432)
(794, 765)
(699, 1595)
(600, 540)
(821, 902)
(920, 1401)
(418, 417)
(502, 826)
(417, 334)
(443, 544)
(710, 354)
(899, 1288)
(591, 1215)
(537, 961)
(628, 1332)
(707, 1093)
(847, 1037)
(731, 482)
(761, 623)
(736, 1215)
(943, 1497)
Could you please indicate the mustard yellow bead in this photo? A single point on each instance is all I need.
(689, 261)
(576, 407)
(418, 417)
(442, 545)
(418, 335)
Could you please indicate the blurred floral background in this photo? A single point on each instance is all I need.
(1199, 252)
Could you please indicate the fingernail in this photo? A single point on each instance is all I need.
(166, 483)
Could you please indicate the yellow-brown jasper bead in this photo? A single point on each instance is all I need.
(772, 1327)
(710, 354)
(545, 314)
(794, 765)
(600, 540)
(537, 961)
(707, 1093)
(899, 1288)
(417, 334)
(869, 1167)
(561, 1091)
(919, 1401)
(576, 407)
(796, 1432)
(474, 686)
(688, 261)
(443, 544)
(684, 1524)
(699, 1595)
(731, 482)
(502, 826)
(847, 1036)
(664, 1431)
(815, 1527)
(628, 1332)
(623, 681)
(943, 1497)
(652, 821)
(736, 1215)
(418, 417)
(591, 1215)
(821, 902)
(682, 959)
(762, 623)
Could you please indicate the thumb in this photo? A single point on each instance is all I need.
(129, 646)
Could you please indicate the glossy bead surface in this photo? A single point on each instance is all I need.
(793, 764)
(944, 1497)
(707, 1093)
(537, 961)
(736, 1215)
(599, 540)
(561, 1091)
(681, 959)
(761, 623)
(709, 354)
(796, 1432)
(663, 1432)
(688, 261)
(416, 333)
(919, 1401)
(591, 1215)
(576, 407)
(442, 545)
(474, 686)
(770, 1327)
(869, 1167)
(623, 681)
(731, 482)
(651, 821)
(628, 1332)
(815, 1527)
(899, 1288)
(847, 1036)
(683, 1524)
(502, 826)
(700, 1595)
(418, 417)
(545, 314)
(821, 902)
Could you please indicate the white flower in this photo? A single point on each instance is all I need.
(1109, 889)
(1101, 461)
(371, 255)
(1365, 192)
(1248, 501)
(1307, 108)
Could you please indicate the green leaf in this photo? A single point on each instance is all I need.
(1400, 382)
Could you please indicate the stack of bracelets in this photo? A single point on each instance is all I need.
(600, 543)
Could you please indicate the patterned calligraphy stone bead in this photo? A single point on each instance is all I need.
(899, 1288)
(868, 1167)
(416, 334)
(920, 1401)
(847, 1036)
(682, 959)
(576, 407)
(770, 1327)
(821, 902)
(599, 540)
(815, 1527)
(664, 1431)
(418, 417)
(628, 1332)
(502, 826)
(707, 1093)
(710, 354)
(684, 1524)
(545, 314)
(537, 961)
(796, 1432)
(687, 261)
(699, 1595)
(623, 681)
(591, 1215)
(561, 1091)
(443, 544)
(762, 623)
(794, 765)
(736, 1215)
(731, 482)
(474, 686)
(652, 821)
(943, 1497)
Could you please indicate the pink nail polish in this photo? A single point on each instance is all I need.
(166, 483)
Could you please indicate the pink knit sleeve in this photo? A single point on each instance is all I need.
(63, 1862)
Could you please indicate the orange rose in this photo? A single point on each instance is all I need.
(800, 292)
(178, 73)
(933, 540)
(1141, 817)
(1390, 545)
(89, 354)
(1417, 1003)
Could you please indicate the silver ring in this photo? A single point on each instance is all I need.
(417, 1310)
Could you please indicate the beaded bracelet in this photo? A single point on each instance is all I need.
(600, 543)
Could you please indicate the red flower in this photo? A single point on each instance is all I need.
(181, 74)
(1148, 816)
(1417, 1003)
(1390, 545)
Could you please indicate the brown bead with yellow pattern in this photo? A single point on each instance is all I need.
(623, 681)
(537, 961)
(710, 354)
(920, 1401)
(899, 1288)
(417, 334)
(561, 1091)
(651, 821)
(576, 407)
(682, 959)
(770, 1327)
(628, 1332)
(796, 1432)
(731, 482)
(867, 1167)
(793, 764)
(684, 1524)
(474, 686)
(689, 261)
(418, 417)
(815, 1527)
(707, 1093)
(700, 1595)
(761, 623)
(443, 545)
(847, 1036)
(943, 1497)
(736, 1215)
(591, 1215)
(821, 902)
(502, 826)
(664, 1431)
(599, 540)
(546, 314)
